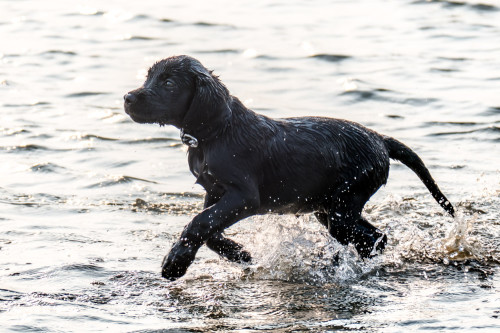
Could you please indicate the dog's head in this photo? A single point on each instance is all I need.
(178, 91)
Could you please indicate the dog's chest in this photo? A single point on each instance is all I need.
(197, 162)
(199, 168)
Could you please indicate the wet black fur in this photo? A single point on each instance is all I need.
(251, 164)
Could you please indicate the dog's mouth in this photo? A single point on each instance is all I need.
(138, 117)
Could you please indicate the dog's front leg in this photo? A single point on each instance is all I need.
(222, 245)
(232, 207)
(228, 249)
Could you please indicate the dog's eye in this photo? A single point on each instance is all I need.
(169, 83)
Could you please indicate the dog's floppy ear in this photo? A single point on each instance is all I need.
(210, 99)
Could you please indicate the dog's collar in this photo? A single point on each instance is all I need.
(188, 139)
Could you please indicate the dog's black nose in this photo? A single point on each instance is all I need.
(130, 98)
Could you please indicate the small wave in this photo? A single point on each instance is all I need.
(183, 195)
(167, 20)
(31, 199)
(140, 17)
(394, 116)
(491, 111)
(380, 94)
(444, 70)
(81, 267)
(46, 168)
(360, 94)
(26, 104)
(459, 123)
(202, 24)
(140, 38)
(98, 137)
(25, 148)
(330, 57)
(85, 94)
(458, 59)
(119, 180)
(29, 148)
(180, 207)
(51, 52)
(489, 129)
(417, 101)
(220, 51)
(7, 295)
(151, 140)
(13, 131)
(87, 13)
(212, 24)
(453, 4)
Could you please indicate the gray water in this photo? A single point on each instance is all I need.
(90, 202)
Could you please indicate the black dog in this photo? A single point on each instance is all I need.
(251, 164)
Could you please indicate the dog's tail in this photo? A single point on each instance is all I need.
(408, 157)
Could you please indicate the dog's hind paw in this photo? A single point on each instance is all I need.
(371, 245)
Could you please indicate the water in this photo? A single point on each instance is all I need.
(90, 202)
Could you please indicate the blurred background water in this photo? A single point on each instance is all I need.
(90, 201)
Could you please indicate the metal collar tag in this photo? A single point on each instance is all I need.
(189, 140)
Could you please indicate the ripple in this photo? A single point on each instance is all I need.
(444, 70)
(212, 24)
(82, 268)
(492, 111)
(458, 59)
(26, 104)
(51, 52)
(152, 140)
(166, 20)
(13, 131)
(87, 13)
(46, 168)
(32, 199)
(394, 116)
(489, 129)
(381, 94)
(7, 295)
(330, 57)
(140, 38)
(220, 51)
(26, 148)
(454, 4)
(140, 17)
(172, 208)
(98, 137)
(119, 180)
(86, 94)
(459, 123)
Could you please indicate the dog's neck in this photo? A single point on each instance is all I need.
(193, 138)
(194, 133)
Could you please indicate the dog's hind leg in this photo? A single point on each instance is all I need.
(346, 225)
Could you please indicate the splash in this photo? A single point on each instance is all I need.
(300, 250)
(459, 244)
(426, 237)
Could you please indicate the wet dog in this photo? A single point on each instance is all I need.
(251, 164)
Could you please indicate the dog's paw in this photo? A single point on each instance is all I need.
(244, 257)
(369, 245)
(176, 263)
